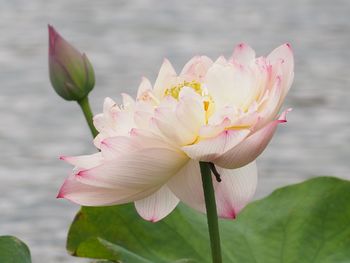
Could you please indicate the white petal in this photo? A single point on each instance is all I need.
(232, 85)
(197, 67)
(128, 101)
(165, 75)
(145, 86)
(243, 54)
(158, 205)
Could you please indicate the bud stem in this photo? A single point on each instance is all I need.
(85, 107)
(212, 215)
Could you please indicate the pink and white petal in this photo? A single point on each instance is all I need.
(269, 109)
(243, 54)
(84, 161)
(236, 189)
(165, 75)
(250, 148)
(210, 149)
(158, 205)
(89, 195)
(187, 186)
(137, 171)
(283, 57)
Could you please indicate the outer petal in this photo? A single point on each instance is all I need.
(187, 186)
(249, 149)
(158, 205)
(283, 56)
(89, 195)
(234, 191)
(209, 149)
(136, 171)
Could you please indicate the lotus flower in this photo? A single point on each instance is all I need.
(224, 112)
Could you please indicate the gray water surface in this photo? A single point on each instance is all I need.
(128, 39)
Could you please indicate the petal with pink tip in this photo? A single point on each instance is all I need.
(88, 195)
(137, 171)
(209, 149)
(84, 161)
(197, 67)
(243, 54)
(158, 205)
(250, 148)
(234, 191)
(283, 56)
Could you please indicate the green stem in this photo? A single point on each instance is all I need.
(85, 107)
(212, 215)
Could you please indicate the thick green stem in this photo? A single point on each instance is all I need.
(212, 215)
(85, 107)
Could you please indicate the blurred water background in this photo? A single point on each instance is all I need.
(128, 39)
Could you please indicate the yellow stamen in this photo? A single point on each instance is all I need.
(238, 127)
(175, 90)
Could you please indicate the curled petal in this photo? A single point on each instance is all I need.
(158, 205)
(234, 191)
(250, 148)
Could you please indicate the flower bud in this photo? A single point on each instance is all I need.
(71, 73)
